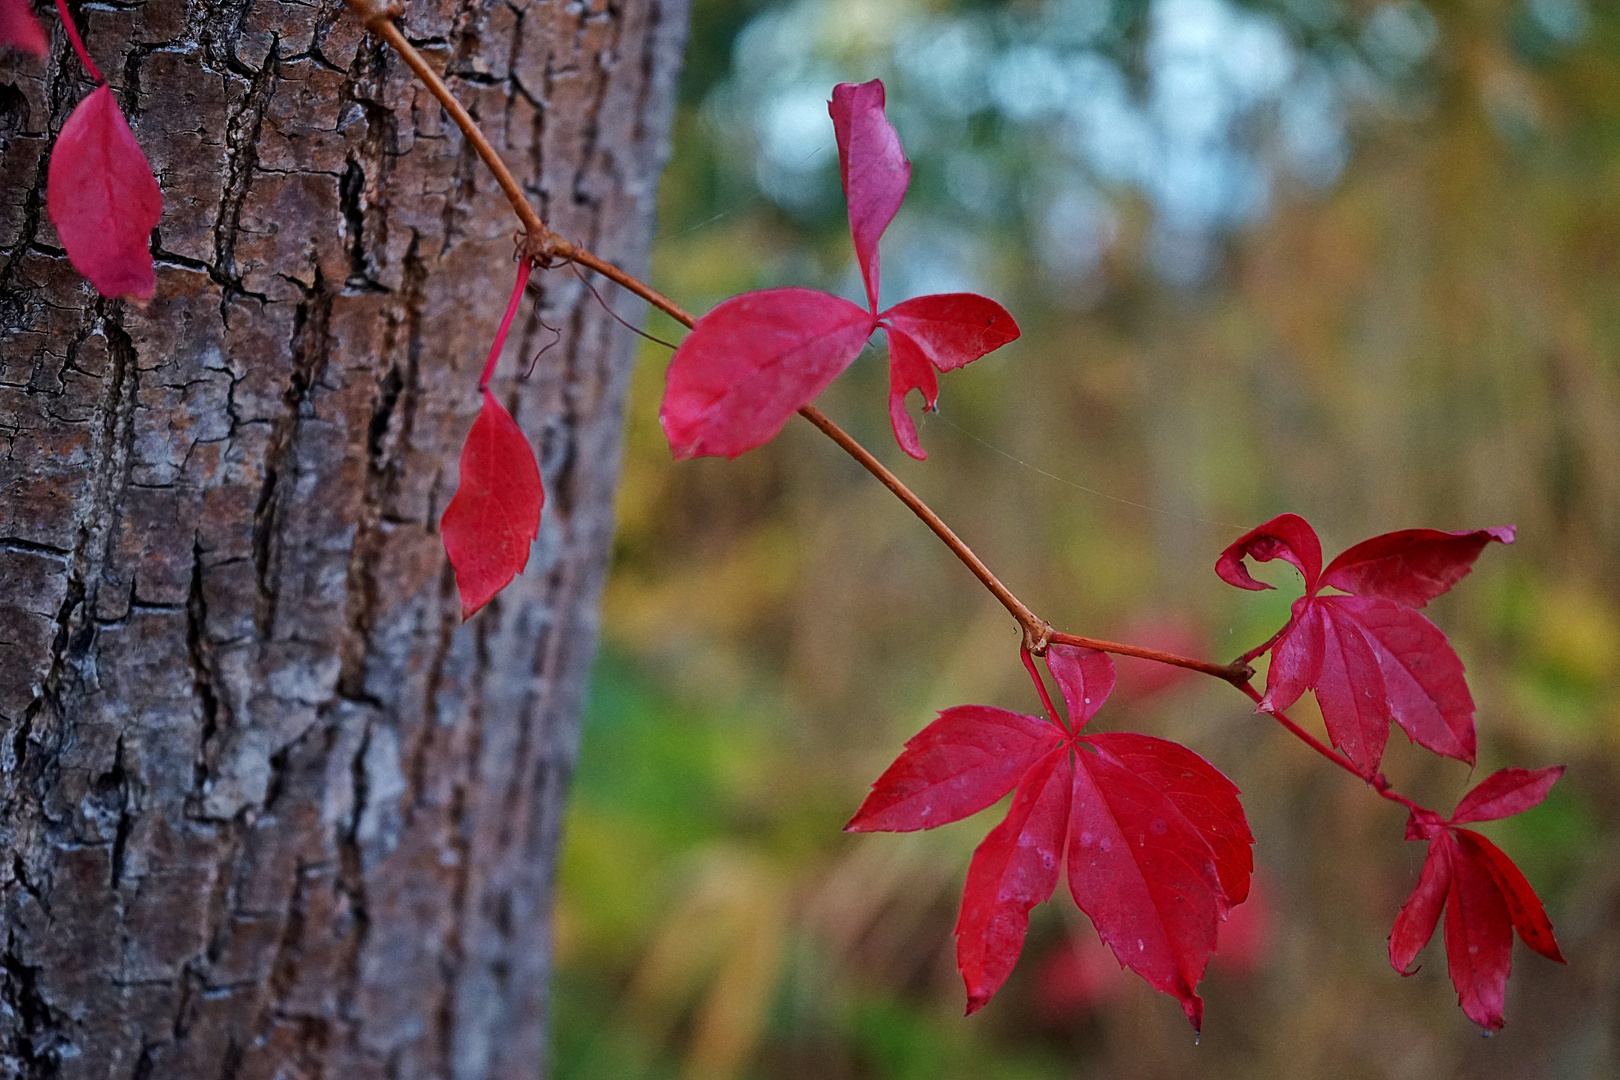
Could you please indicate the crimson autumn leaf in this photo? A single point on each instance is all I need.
(1154, 838)
(1369, 657)
(1484, 896)
(495, 515)
(102, 198)
(19, 29)
(756, 359)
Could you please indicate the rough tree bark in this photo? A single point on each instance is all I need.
(267, 807)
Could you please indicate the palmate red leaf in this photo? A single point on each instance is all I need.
(103, 200)
(960, 764)
(1484, 895)
(1156, 841)
(494, 517)
(1370, 657)
(20, 30)
(873, 168)
(751, 363)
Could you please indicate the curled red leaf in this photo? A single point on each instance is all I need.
(103, 200)
(1288, 537)
(494, 517)
(952, 329)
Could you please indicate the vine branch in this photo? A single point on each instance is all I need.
(544, 247)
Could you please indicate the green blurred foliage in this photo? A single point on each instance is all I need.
(1381, 289)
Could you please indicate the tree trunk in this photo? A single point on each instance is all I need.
(268, 808)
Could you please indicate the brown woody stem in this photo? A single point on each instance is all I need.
(1237, 673)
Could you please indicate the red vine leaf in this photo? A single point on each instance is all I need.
(494, 517)
(952, 329)
(1145, 876)
(1506, 792)
(754, 361)
(103, 200)
(20, 30)
(909, 370)
(873, 168)
(1484, 896)
(1370, 657)
(1413, 566)
(1207, 799)
(1015, 868)
(1156, 841)
(758, 358)
(958, 765)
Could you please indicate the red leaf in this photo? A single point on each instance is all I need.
(754, 361)
(873, 168)
(1524, 906)
(1410, 567)
(1350, 689)
(1423, 687)
(1296, 658)
(103, 200)
(953, 329)
(495, 514)
(1085, 677)
(1286, 536)
(909, 370)
(1371, 661)
(1145, 876)
(1506, 792)
(1414, 926)
(1015, 868)
(958, 765)
(20, 30)
(1207, 799)
(1485, 899)
(1479, 938)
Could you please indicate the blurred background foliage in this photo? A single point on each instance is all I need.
(1359, 260)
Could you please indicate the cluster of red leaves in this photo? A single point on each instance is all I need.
(758, 358)
(1153, 836)
(1370, 659)
(1369, 656)
(1484, 895)
(99, 192)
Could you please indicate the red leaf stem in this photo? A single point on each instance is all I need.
(78, 42)
(525, 266)
(1040, 687)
